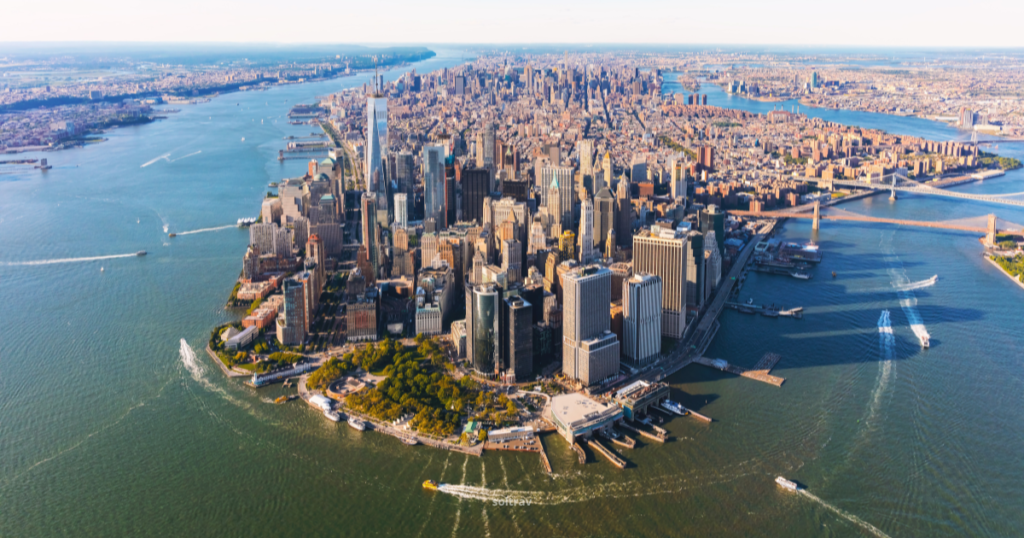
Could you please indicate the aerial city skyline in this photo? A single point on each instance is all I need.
(498, 290)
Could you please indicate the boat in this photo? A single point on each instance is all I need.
(140, 253)
(357, 424)
(430, 484)
(922, 334)
(833, 274)
(280, 399)
(801, 276)
(172, 234)
(334, 416)
(787, 484)
(101, 269)
(674, 407)
(243, 139)
(411, 441)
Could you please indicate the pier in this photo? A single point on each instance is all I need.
(598, 447)
(579, 453)
(760, 372)
(644, 433)
(544, 460)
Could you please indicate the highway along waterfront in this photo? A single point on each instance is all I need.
(106, 431)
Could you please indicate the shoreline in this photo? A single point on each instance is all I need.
(1016, 280)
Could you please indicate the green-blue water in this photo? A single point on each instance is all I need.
(104, 431)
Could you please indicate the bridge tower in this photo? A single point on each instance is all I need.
(892, 193)
(990, 237)
(815, 224)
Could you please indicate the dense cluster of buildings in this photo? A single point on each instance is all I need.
(548, 212)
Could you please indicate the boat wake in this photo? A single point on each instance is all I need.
(919, 284)
(905, 291)
(167, 157)
(163, 157)
(71, 260)
(886, 349)
(844, 514)
(204, 230)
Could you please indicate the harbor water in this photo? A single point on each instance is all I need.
(106, 431)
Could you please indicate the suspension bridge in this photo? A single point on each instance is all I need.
(990, 225)
(896, 183)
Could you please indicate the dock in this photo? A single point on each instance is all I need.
(598, 447)
(544, 460)
(623, 440)
(743, 308)
(644, 433)
(579, 453)
(760, 372)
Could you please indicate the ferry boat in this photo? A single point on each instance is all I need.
(334, 416)
(787, 484)
(430, 485)
(140, 253)
(357, 424)
(246, 222)
(801, 276)
(674, 407)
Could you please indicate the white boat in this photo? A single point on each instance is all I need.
(411, 441)
(787, 484)
(801, 276)
(674, 407)
(334, 416)
(922, 334)
(357, 424)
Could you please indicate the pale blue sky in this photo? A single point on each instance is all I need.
(976, 23)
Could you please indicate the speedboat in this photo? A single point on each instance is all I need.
(357, 424)
(140, 253)
(430, 484)
(787, 484)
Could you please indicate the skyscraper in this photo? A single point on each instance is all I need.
(482, 327)
(641, 318)
(401, 210)
(586, 235)
(586, 156)
(638, 171)
(376, 139)
(604, 216)
(695, 270)
(291, 322)
(623, 214)
(517, 335)
(433, 182)
(606, 165)
(562, 179)
(475, 183)
(368, 210)
(663, 253)
(590, 351)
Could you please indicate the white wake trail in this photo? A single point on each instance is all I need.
(204, 230)
(165, 157)
(845, 515)
(185, 156)
(71, 260)
(905, 292)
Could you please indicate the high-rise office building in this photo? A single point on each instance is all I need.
(695, 270)
(641, 318)
(712, 266)
(590, 351)
(475, 184)
(567, 245)
(623, 214)
(376, 139)
(604, 217)
(677, 186)
(662, 252)
(560, 178)
(405, 171)
(606, 166)
(713, 220)
(512, 260)
(706, 157)
(638, 171)
(586, 156)
(433, 182)
(368, 210)
(586, 235)
(482, 316)
(291, 321)
(516, 339)
(401, 210)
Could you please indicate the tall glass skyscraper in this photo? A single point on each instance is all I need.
(376, 140)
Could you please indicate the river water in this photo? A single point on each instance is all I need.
(105, 431)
